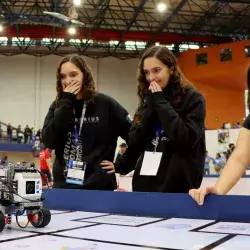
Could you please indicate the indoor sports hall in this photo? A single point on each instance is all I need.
(124, 124)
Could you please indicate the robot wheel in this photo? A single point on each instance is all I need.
(40, 219)
(2, 221)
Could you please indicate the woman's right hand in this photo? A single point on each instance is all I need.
(199, 194)
(73, 87)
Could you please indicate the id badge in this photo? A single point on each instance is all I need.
(151, 163)
(76, 172)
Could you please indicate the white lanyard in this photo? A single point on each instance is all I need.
(82, 117)
(81, 123)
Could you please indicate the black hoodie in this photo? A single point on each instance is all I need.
(182, 143)
(105, 120)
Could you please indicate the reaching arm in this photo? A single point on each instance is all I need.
(233, 170)
(184, 132)
(236, 165)
(139, 137)
(136, 147)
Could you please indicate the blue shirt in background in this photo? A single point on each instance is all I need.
(220, 162)
(207, 160)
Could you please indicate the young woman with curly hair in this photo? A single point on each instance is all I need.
(167, 140)
(83, 125)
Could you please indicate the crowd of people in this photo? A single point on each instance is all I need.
(12, 134)
(219, 161)
(5, 161)
(21, 136)
(233, 126)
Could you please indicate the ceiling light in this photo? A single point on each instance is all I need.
(161, 7)
(72, 31)
(77, 2)
(1, 28)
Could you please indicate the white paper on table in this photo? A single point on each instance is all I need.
(122, 220)
(157, 238)
(228, 227)
(53, 242)
(239, 242)
(179, 224)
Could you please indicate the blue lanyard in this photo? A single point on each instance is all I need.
(158, 131)
(77, 134)
(155, 142)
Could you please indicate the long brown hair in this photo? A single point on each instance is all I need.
(176, 84)
(88, 89)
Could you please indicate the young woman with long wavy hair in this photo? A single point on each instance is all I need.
(83, 125)
(167, 140)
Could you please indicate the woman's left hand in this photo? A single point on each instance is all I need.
(108, 166)
(154, 87)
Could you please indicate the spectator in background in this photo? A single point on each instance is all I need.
(4, 160)
(46, 166)
(219, 163)
(38, 133)
(19, 134)
(123, 148)
(18, 165)
(225, 156)
(33, 136)
(36, 146)
(9, 133)
(238, 125)
(207, 166)
(27, 134)
(229, 151)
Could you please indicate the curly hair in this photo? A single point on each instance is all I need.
(88, 89)
(176, 84)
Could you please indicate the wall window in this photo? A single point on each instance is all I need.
(226, 55)
(201, 59)
(247, 51)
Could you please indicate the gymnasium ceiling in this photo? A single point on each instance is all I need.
(120, 28)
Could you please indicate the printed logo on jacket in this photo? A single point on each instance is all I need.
(70, 150)
(91, 119)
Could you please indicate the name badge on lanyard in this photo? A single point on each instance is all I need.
(75, 168)
(152, 160)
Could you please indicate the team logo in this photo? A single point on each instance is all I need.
(91, 119)
(129, 118)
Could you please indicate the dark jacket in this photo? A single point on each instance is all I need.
(182, 143)
(105, 120)
(118, 157)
